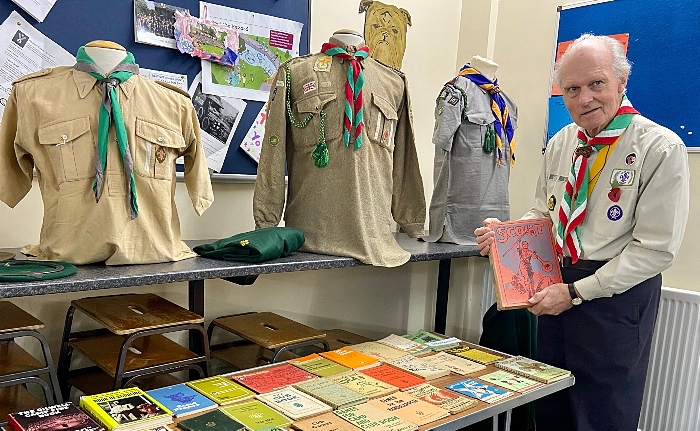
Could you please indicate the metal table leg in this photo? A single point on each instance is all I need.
(443, 290)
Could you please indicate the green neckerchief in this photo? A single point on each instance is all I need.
(110, 108)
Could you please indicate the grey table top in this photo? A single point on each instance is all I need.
(100, 276)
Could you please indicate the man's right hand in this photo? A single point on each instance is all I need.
(485, 236)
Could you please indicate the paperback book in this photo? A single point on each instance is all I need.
(394, 376)
(59, 417)
(410, 408)
(378, 350)
(480, 391)
(420, 367)
(126, 410)
(524, 261)
(331, 393)
(350, 358)
(403, 344)
(533, 369)
(365, 385)
(318, 365)
(476, 355)
(294, 403)
(182, 400)
(454, 363)
(372, 418)
(324, 422)
(272, 378)
(510, 381)
(220, 390)
(448, 400)
(214, 420)
(434, 341)
(255, 415)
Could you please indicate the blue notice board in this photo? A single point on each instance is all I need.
(664, 49)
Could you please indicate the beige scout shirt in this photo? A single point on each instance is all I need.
(640, 234)
(345, 208)
(50, 124)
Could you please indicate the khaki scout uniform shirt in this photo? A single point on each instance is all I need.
(48, 106)
(640, 234)
(469, 186)
(345, 208)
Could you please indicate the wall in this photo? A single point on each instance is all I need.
(525, 36)
(366, 300)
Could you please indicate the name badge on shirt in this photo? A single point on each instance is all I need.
(622, 177)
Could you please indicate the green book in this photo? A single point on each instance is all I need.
(365, 385)
(256, 415)
(214, 420)
(434, 341)
(319, 365)
(221, 390)
(331, 393)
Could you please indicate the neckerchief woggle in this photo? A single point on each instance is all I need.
(498, 108)
(573, 206)
(109, 109)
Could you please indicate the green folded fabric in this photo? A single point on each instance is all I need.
(255, 246)
(32, 270)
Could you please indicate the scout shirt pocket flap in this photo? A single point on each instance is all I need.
(69, 147)
(385, 107)
(313, 104)
(156, 149)
(382, 122)
(481, 118)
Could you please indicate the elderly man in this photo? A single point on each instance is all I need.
(615, 186)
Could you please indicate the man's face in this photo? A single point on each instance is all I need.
(592, 92)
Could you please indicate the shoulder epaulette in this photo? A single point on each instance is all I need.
(174, 88)
(42, 72)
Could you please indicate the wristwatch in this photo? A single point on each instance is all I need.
(575, 300)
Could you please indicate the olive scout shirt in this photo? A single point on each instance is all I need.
(345, 208)
(50, 124)
(639, 230)
(469, 185)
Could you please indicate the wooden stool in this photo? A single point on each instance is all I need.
(131, 346)
(269, 332)
(18, 368)
(338, 338)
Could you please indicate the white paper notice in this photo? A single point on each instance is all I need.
(265, 43)
(176, 79)
(38, 9)
(218, 119)
(24, 50)
(252, 143)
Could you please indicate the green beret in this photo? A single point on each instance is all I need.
(255, 246)
(32, 270)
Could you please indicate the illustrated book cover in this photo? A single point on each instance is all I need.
(404, 344)
(410, 408)
(294, 403)
(372, 418)
(524, 261)
(272, 378)
(448, 400)
(125, 410)
(436, 342)
(332, 393)
(510, 381)
(475, 355)
(256, 415)
(214, 420)
(420, 367)
(378, 350)
(324, 422)
(350, 358)
(221, 390)
(394, 376)
(480, 391)
(59, 417)
(318, 365)
(454, 363)
(366, 385)
(533, 369)
(182, 400)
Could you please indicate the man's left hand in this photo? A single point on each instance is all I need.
(554, 300)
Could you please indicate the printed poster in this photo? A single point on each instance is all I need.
(252, 143)
(265, 42)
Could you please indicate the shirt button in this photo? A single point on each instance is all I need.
(160, 139)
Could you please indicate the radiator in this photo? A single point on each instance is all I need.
(672, 392)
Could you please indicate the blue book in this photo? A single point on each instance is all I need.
(182, 400)
(480, 391)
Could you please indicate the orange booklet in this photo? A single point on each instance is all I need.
(350, 358)
(524, 261)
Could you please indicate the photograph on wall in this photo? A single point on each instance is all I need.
(153, 23)
(264, 43)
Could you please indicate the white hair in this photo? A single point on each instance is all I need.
(621, 65)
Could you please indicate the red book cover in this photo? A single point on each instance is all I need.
(524, 261)
(59, 417)
(394, 376)
(272, 378)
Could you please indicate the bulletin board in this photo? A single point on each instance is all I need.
(664, 51)
(72, 23)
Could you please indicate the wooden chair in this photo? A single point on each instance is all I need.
(18, 368)
(131, 346)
